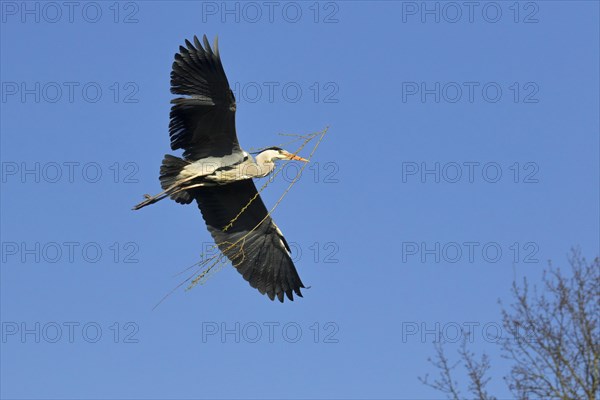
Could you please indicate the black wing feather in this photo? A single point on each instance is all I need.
(262, 255)
(202, 124)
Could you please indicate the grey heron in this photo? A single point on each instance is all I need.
(218, 174)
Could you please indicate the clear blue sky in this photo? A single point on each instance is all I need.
(396, 227)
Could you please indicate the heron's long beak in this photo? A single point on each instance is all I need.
(295, 157)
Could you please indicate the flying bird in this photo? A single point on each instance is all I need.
(218, 174)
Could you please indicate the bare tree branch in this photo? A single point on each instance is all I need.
(445, 382)
(554, 344)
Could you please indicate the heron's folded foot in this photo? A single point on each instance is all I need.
(149, 200)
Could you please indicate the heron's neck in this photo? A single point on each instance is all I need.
(265, 164)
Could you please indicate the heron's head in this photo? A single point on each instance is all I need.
(275, 153)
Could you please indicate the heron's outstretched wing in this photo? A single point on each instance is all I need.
(203, 122)
(261, 255)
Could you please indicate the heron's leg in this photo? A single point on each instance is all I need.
(189, 187)
(150, 200)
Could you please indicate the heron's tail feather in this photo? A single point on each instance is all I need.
(169, 177)
(170, 169)
(174, 185)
